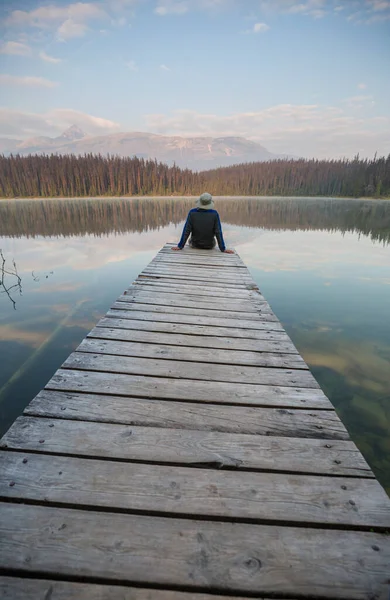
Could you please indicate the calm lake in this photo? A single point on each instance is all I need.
(323, 264)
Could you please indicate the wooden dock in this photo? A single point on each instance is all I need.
(184, 451)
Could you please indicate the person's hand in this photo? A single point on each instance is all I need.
(176, 248)
(228, 251)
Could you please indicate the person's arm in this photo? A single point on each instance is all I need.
(218, 233)
(186, 232)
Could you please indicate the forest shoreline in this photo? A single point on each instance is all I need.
(193, 197)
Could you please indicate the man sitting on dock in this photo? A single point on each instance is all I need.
(204, 225)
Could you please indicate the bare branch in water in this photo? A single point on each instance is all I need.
(4, 287)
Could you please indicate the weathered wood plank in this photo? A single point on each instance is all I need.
(213, 275)
(249, 305)
(202, 355)
(204, 263)
(257, 497)
(190, 370)
(124, 320)
(176, 317)
(186, 447)
(18, 588)
(237, 557)
(234, 272)
(115, 329)
(187, 390)
(195, 281)
(185, 288)
(188, 415)
(125, 303)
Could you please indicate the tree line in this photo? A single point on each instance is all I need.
(95, 175)
(104, 216)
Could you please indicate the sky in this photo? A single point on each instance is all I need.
(302, 77)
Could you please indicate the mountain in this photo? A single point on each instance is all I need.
(192, 152)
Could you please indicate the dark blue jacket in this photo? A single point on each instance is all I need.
(203, 225)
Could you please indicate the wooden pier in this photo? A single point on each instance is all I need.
(184, 451)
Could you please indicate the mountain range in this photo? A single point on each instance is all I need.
(193, 152)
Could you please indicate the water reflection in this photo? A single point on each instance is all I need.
(104, 216)
(324, 265)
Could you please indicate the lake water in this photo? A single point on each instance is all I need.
(324, 265)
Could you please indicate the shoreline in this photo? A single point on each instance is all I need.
(193, 197)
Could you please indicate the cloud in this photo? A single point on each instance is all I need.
(181, 7)
(299, 130)
(362, 86)
(360, 101)
(15, 48)
(20, 124)
(171, 7)
(132, 65)
(313, 8)
(26, 81)
(71, 29)
(260, 27)
(70, 19)
(164, 68)
(48, 58)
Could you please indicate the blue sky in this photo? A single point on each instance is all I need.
(308, 78)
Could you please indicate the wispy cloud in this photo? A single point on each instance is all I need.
(27, 81)
(260, 27)
(362, 86)
(48, 58)
(164, 68)
(15, 48)
(23, 124)
(313, 8)
(181, 7)
(172, 7)
(132, 65)
(70, 20)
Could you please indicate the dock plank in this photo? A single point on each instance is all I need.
(116, 329)
(193, 319)
(185, 288)
(196, 281)
(237, 557)
(324, 424)
(242, 496)
(123, 320)
(17, 588)
(186, 447)
(187, 389)
(190, 370)
(183, 353)
(150, 306)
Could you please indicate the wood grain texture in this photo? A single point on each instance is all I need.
(189, 415)
(202, 355)
(190, 370)
(160, 297)
(237, 557)
(192, 319)
(125, 321)
(186, 447)
(187, 390)
(253, 497)
(153, 306)
(185, 288)
(116, 329)
(17, 588)
(196, 281)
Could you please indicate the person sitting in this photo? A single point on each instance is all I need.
(204, 225)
